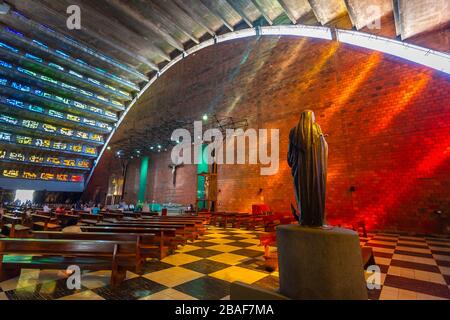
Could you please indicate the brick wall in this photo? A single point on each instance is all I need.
(387, 121)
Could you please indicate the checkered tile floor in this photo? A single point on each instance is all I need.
(412, 268)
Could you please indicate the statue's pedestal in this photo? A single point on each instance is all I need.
(319, 263)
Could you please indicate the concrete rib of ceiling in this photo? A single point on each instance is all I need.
(90, 75)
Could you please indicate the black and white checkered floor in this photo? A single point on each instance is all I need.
(412, 268)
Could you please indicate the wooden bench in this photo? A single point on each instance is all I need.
(181, 235)
(236, 218)
(149, 214)
(89, 218)
(199, 224)
(184, 230)
(111, 216)
(65, 218)
(118, 257)
(12, 227)
(131, 214)
(44, 223)
(164, 237)
(144, 241)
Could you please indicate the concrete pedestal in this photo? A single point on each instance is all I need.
(318, 263)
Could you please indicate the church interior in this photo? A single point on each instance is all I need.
(224, 150)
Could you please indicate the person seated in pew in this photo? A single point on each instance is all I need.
(46, 208)
(123, 206)
(77, 205)
(60, 209)
(95, 209)
(146, 207)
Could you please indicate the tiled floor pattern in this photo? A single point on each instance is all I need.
(412, 268)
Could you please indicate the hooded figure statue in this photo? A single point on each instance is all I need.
(307, 157)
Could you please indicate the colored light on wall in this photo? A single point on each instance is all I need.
(430, 58)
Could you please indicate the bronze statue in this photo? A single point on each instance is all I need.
(307, 157)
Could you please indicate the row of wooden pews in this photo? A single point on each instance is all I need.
(117, 256)
(108, 241)
(236, 219)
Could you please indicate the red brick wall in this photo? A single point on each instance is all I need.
(387, 120)
(160, 182)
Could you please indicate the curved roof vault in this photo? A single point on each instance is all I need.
(64, 93)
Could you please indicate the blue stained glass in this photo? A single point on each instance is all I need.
(87, 93)
(91, 122)
(94, 109)
(3, 82)
(48, 79)
(15, 103)
(40, 44)
(101, 70)
(14, 31)
(94, 81)
(29, 55)
(76, 74)
(80, 105)
(82, 62)
(110, 114)
(61, 99)
(19, 14)
(4, 45)
(8, 119)
(20, 87)
(65, 85)
(56, 114)
(5, 64)
(31, 73)
(54, 65)
(5, 136)
(36, 108)
(62, 53)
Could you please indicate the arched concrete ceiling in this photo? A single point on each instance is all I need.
(65, 91)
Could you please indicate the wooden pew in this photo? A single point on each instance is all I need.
(165, 237)
(149, 214)
(198, 223)
(181, 235)
(185, 230)
(64, 218)
(144, 241)
(44, 223)
(224, 218)
(131, 214)
(111, 216)
(12, 227)
(118, 257)
(206, 215)
(90, 219)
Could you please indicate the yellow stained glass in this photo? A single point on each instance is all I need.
(11, 173)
